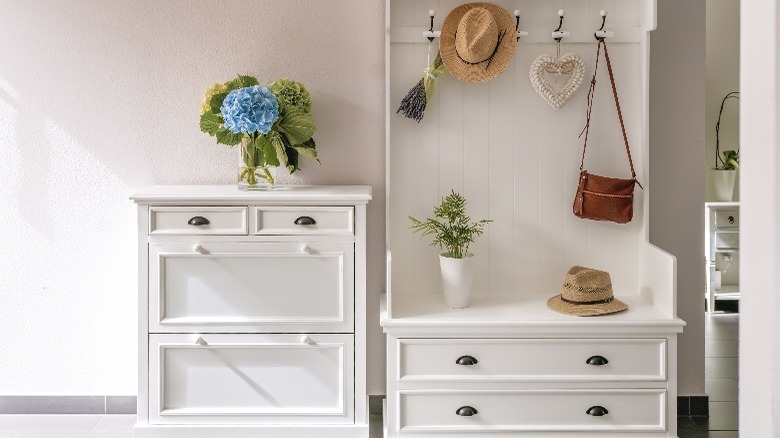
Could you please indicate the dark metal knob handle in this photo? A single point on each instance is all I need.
(597, 361)
(467, 360)
(731, 219)
(466, 411)
(198, 221)
(305, 220)
(597, 411)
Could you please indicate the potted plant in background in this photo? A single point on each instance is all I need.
(453, 231)
(273, 125)
(724, 173)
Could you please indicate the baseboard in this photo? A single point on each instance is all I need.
(375, 405)
(67, 404)
(693, 405)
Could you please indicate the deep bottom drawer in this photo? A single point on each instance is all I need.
(622, 410)
(246, 379)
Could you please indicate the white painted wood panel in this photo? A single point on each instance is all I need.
(228, 287)
(532, 360)
(245, 379)
(628, 410)
(515, 158)
(283, 220)
(210, 220)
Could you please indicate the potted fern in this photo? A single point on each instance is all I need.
(453, 231)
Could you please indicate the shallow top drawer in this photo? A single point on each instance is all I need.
(305, 220)
(727, 218)
(198, 220)
(532, 360)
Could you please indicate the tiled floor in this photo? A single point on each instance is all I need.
(721, 373)
(721, 363)
(88, 426)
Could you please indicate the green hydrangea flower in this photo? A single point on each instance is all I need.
(205, 106)
(293, 93)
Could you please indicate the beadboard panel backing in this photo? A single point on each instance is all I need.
(515, 158)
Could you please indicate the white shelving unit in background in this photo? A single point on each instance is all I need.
(721, 248)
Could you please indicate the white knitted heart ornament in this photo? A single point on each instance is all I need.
(570, 65)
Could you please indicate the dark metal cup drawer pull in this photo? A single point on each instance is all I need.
(466, 411)
(597, 360)
(305, 220)
(197, 221)
(597, 411)
(466, 360)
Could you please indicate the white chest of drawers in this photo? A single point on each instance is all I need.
(252, 312)
(508, 367)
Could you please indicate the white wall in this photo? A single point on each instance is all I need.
(722, 77)
(99, 99)
(759, 339)
(677, 66)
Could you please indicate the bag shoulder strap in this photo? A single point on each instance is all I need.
(617, 105)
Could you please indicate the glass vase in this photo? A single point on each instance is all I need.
(253, 173)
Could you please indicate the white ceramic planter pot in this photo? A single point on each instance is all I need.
(723, 184)
(457, 276)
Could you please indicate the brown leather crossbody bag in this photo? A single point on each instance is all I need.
(600, 197)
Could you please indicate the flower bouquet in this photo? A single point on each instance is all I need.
(273, 125)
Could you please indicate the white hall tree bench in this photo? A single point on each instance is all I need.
(507, 366)
(252, 312)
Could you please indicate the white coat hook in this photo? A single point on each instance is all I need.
(559, 34)
(601, 33)
(430, 33)
(520, 33)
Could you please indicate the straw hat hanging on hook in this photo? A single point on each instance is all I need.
(477, 41)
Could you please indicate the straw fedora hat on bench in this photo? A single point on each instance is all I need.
(586, 292)
(477, 41)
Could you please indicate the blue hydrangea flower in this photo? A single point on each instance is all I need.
(250, 109)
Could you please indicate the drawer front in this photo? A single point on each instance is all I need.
(251, 287)
(727, 218)
(726, 240)
(497, 411)
(532, 360)
(305, 220)
(245, 379)
(198, 220)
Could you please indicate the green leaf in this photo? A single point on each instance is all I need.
(278, 143)
(296, 124)
(307, 149)
(228, 137)
(216, 102)
(264, 149)
(270, 150)
(292, 159)
(210, 122)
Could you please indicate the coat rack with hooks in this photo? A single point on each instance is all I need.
(572, 34)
